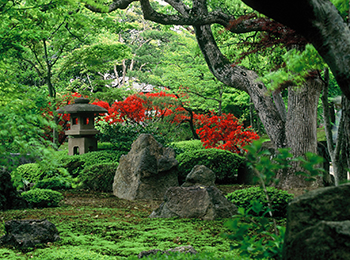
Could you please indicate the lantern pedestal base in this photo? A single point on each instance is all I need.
(81, 145)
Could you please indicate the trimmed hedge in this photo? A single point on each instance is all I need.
(77, 163)
(186, 146)
(98, 177)
(42, 198)
(223, 163)
(30, 172)
(51, 178)
(54, 183)
(280, 199)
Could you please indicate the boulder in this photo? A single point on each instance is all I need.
(207, 203)
(322, 214)
(180, 249)
(326, 240)
(147, 171)
(9, 197)
(200, 175)
(29, 233)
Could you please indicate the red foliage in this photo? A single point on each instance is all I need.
(221, 132)
(273, 34)
(224, 132)
(129, 109)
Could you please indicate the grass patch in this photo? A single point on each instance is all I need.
(96, 225)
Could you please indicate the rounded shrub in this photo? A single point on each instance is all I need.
(42, 176)
(279, 199)
(77, 163)
(30, 172)
(54, 183)
(223, 163)
(42, 198)
(187, 146)
(98, 177)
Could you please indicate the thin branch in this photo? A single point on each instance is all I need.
(36, 56)
(66, 26)
(33, 65)
(52, 34)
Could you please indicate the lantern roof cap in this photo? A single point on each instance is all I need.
(81, 105)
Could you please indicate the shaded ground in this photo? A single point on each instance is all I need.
(78, 198)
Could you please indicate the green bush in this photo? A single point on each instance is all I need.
(77, 163)
(279, 199)
(54, 183)
(42, 176)
(42, 198)
(223, 163)
(254, 236)
(98, 177)
(30, 172)
(187, 146)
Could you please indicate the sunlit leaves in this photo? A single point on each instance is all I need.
(98, 57)
(297, 69)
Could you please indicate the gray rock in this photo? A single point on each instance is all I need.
(326, 240)
(9, 197)
(29, 233)
(180, 249)
(147, 171)
(200, 175)
(206, 203)
(322, 210)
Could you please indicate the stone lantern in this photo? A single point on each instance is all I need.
(82, 131)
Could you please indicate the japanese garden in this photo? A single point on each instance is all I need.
(175, 129)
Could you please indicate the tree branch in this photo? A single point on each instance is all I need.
(321, 24)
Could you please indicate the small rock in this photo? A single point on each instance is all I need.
(29, 233)
(200, 175)
(206, 203)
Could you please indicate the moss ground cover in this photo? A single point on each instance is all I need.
(95, 225)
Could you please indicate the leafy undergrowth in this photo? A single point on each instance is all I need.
(96, 225)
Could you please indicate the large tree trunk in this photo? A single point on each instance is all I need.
(301, 131)
(345, 148)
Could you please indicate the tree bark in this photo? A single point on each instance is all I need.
(345, 147)
(301, 131)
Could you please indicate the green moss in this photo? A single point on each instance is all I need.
(321, 134)
(116, 233)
